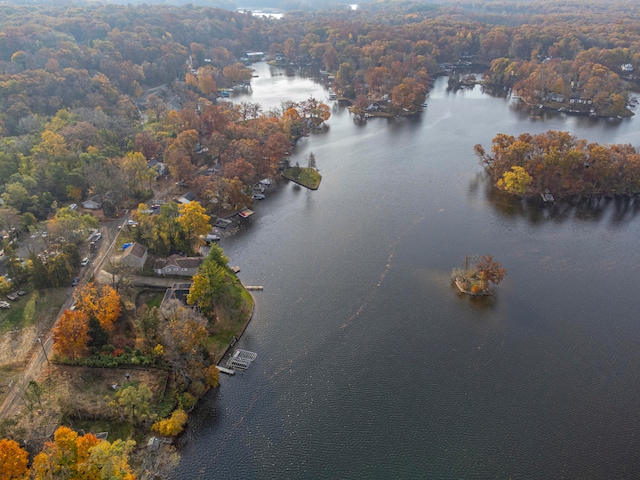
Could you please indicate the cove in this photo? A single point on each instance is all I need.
(371, 364)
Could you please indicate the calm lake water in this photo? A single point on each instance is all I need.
(371, 365)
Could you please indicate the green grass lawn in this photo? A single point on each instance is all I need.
(32, 308)
(116, 430)
(231, 321)
(307, 177)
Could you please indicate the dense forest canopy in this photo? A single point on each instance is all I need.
(91, 95)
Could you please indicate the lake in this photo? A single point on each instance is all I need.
(371, 364)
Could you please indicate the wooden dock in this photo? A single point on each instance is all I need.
(254, 287)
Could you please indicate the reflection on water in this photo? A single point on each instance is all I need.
(590, 208)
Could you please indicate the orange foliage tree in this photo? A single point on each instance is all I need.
(101, 302)
(71, 335)
(13, 461)
(490, 270)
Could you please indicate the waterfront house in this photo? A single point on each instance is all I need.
(177, 265)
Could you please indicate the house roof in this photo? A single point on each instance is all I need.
(136, 250)
(187, 197)
(177, 261)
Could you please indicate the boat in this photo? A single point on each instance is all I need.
(245, 212)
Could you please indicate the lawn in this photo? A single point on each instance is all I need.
(231, 322)
(33, 308)
(307, 177)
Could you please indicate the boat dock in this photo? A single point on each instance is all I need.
(241, 359)
(228, 371)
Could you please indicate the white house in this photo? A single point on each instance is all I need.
(177, 265)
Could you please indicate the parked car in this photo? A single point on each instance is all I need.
(73, 307)
(84, 262)
(21, 292)
(210, 237)
(12, 296)
(75, 281)
(4, 304)
(258, 196)
(97, 236)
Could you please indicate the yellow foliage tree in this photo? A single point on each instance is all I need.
(172, 426)
(13, 461)
(212, 376)
(515, 181)
(82, 457)
(194, 220)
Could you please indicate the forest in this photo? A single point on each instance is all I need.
(104, 101)
(90, 94)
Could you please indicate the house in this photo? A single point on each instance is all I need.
(374, 107)
(160, 167)
(187, 198)
(177, 265)
(627, 67)
(92, 204)
(555, 97)
(134, 256)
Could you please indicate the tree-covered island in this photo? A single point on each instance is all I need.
(559, 163)
(477, 274)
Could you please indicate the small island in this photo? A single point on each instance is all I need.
(306, 176)
(476, 275)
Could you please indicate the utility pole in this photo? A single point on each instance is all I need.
(44, 351)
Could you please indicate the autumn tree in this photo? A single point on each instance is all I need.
(75, 456)
(71, 334)
(101, 302)
(147, 327)
(490, 270)
(515, 180)
(13, 461)
(183, 338)
(134, 403)
(194, 221)
(172, 426)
